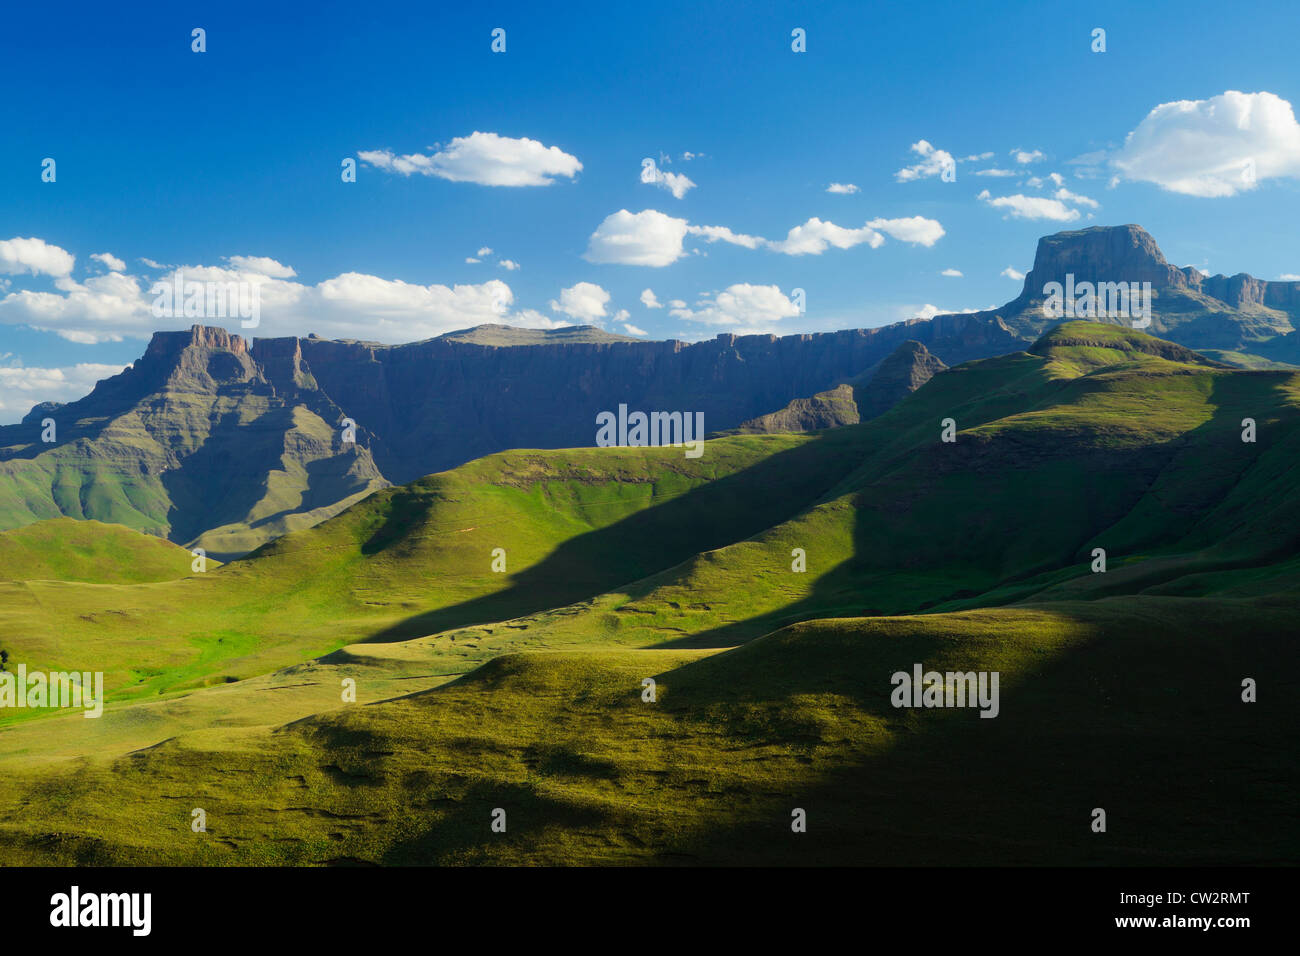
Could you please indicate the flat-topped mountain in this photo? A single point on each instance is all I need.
(1224, 314)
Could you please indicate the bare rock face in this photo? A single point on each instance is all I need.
(867, 396)
(1235, 313)
(907, 369)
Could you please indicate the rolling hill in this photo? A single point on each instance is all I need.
(521, 688)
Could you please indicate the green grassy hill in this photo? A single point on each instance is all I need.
(63, 549)
(522, 689)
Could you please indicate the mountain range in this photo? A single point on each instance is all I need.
(221, 443)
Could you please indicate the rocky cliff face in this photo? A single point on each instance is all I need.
(432, 405)
(207, 440)
(907, 369)
(219, 442)
(868, 395)
(1217, 312)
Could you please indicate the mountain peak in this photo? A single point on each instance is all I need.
(1103, 254)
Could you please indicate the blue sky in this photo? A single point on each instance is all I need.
(226, 163)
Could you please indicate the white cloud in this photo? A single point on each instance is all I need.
(631, 329)
(262, 266)
(1289, 277)
(952, 273)
(676, 304)
(471, 260)
(1025, 157)
(1056, 178)
(845, 189)
(153, 265)
(1031, 207)
(928, 311)
(103, 308)
(21, 388)
(723, 234)
(914, 229)
(813, 237)
(646, 238)
(1002, 173)
(584, 301)
(484, 158)
(622, 315)
(755, 307)
(352, 305)
(648, 299)
(508, 264)
(483, 252)
(655, 239)
(933, 162)
(676, 183)
(1011, 273)
(35, 256)
(976, 158)
(110, 262)
(1066, 196)
(1216, 147)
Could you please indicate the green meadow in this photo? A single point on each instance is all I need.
(769, 588)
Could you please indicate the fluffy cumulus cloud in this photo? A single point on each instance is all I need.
(103, 308)
(21, 388)
(262, 266)
(844, 189)
(1220, 146)
(914, 229)
(484, 158)
(814, 236)
(1031, 207)
(951, 273)
(631, 329)
(1012, 273)
(584, 302)
(1025, 157)
(676, 183)
(933, 162)
(109, 261)
(648, 299)
(113, 306)
(34, 256)
(749, 308)
(646, 238)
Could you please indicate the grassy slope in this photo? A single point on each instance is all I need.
(1129, 704)
(278, 464)
(1120, 690)
(409, 561)
(63, 549)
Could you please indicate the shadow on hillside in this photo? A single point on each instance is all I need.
(981, 542)
(702, 519)
(1141, 717)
